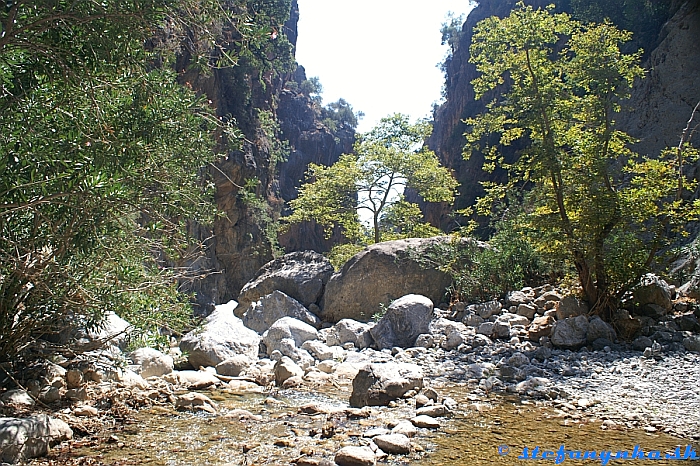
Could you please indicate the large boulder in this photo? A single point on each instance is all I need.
(382, 273)
(350, 331)
(112, 330)
(570, 306)
(152, 362)
(406, 318)
(221, 337)
(300, 275)
(379, 383)
(599, 329)
(286, 329)
(272, 307)
(31, 437)
(570, 333)
(652, 297)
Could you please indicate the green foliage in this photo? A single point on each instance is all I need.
(451, 30)
(386, 160)
(340, 114)
(483, 271)
(262, 214)
(643, 17)
(279, 149)
(311, 86)
(588, 193)
(101, 156)
(341, 253)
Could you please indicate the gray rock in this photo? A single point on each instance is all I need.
(233, 366)
(152, 362)
(323, 352)
(195, 380)
(524, 296)
(31, 437)
(570, 333)
(17, 397)
(427, 422)
(351, 331)
(406, 428)
(379, 383)
(300, 275)
(485, 329)
(112, 329)
(381, 273)
(49, 394)
(527, 310)
(518, 360)
(432, 411)
(355, 456)
(195, 402)
(285, 368)
(425, 340)
(452, 340)
(406, 318)
(599, 329)
(373, 432)
(541, 327)
(222, 336)
(261, 314)
(652, 296)
(501, 329)
(395, 444)
(288, 328)
(473, 320)
(641, 343)
(692, 343)
(485, 310)
(287, 347)
(571, 306)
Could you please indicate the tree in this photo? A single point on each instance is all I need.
(386, 160)
(577, 184)
(101, 157)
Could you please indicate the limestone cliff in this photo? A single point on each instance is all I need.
(656, 114)
(281, 135)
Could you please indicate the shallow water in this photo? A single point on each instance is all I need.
(163, 437)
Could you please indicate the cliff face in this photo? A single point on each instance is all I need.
(310, 141)
(252, 183)
(662, 103)
(657, 112)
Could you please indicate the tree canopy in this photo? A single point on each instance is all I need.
(386, 160)
(101, 156)
(577, 186)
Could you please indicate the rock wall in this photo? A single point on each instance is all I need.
(239, 242)
(310, 142)
(657, 112)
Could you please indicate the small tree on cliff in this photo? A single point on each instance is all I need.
(386, 160)
(588, 194)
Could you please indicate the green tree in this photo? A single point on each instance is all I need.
(386, 160)
(101, 157)
(581, 189)
(340, 113)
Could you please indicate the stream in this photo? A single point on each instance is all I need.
(481, 431)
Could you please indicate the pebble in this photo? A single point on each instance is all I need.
(87, 411)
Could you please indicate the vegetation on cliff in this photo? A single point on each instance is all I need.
(576, 187)
(386, 160)
(101, 154)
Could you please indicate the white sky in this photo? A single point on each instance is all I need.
(379, 55)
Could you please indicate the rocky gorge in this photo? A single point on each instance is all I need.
(352, 389)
